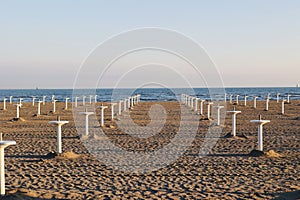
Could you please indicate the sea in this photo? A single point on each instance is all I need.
(151, 94)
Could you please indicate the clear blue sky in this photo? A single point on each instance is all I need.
(44, 42)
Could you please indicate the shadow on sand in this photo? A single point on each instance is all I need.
(295, 195)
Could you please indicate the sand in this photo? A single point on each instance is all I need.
(227, 172)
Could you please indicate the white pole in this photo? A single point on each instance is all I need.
(59, 124)
(44, 99)
(86, 124)
(112, 110)
(288, 98)
(218, 114)
(96, 98)
(254, 102)
(230, 98)
(139, 98)
(267, 104)
(4, 104)
(86, 114)
(66, 106)
(39, 107)
(245, 100)
(278, 97)
(225, 96)
(234, 124)
(192, 103)
(282, 106)
(59, 146)
(125, 105)
(33, 99)
(83, 100)
(3, 144)
(237, 99)
(102, 114)
(201, 106)
(10, 99)
(76, 102)
(234, 113)
(196, 105)
(18, 110)
(260, 131)
(260, 137)
(91, 99)
(120, 107)
(2, 173)
(54, 105)
(208, 109)
(128, 103)
(102, 117)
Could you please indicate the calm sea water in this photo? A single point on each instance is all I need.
(151, 94)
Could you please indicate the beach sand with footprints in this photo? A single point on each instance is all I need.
(227, 172)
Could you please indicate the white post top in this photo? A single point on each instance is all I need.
(86, 113)
(113, 104)
(6, 143)
(260, 121)
(40, 101)
(67, 98)
(58, 122)
(234, 111)
(102, 107)
(209, 103)
(219, 107)
(18, 105)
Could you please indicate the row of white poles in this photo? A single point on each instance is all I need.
(189, 101)
(127, 103)
(131, 101)
(255, 99)
(192, 102)
(267, 101)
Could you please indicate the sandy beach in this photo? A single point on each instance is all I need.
(227, 172)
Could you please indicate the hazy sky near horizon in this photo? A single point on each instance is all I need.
(253, 43)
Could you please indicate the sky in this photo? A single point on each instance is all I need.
(253, 43)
